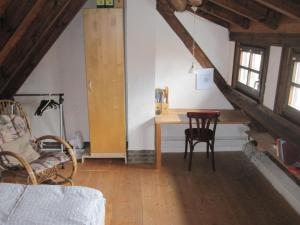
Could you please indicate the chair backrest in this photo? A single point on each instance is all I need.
(203, 121)
(10, 107)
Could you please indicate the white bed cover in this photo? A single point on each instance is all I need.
(50, 205)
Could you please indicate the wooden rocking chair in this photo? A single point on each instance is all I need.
(45, 167)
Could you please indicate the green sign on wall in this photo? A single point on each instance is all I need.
(100, 3)
(105, 3)
(109, 3)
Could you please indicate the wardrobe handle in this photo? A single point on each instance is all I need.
(90, 85)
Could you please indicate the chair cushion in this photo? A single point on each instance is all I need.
(7, 130)
(22, 147)
(49, 160)
(19, 124)
(206, 134)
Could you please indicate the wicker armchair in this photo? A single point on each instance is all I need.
(47, 168)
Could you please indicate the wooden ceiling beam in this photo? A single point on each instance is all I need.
(274, 123)
(12, 17)
(285, 7)
(209, 17)
(178, 5)
(278, 39)
(252, 11)
(16, 55)
(42, 46)
(21, 30)
(225, 14)
(195, 2)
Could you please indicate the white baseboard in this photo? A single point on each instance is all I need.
(176, 144)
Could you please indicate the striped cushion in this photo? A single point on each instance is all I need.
(49, 160)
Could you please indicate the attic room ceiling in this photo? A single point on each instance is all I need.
(269, 120)
(28, 28)
(246, 15)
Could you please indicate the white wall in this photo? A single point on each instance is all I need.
(173, 61)
(272, 77)
(140, 56)
(154, 57)
(62, 70)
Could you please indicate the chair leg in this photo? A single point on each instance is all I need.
(191, 156)
(207, 150)
(213, 157)
(186, 146)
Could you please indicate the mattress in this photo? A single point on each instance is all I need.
(49, 205)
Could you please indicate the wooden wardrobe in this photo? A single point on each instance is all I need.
(104, 52)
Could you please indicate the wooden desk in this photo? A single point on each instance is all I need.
(178, 116)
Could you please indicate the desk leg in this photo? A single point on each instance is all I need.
(158, 145)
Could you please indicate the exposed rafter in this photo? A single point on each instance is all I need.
(36, 32)
(178, 5)
(12, 16)
(274, 123)
(210, 17)
(279, 39)
(252, 11)
(42, 46)
(225, 14)
(287, 7)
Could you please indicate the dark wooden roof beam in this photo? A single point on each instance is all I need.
(40, 48)
(178, 5)
(11, 18)
(274, 123)
(209, 17)
(286, 7)
(252, 11)
(225, 14)
(15, 56)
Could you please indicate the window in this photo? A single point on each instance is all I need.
(249, 70)
(288, 89)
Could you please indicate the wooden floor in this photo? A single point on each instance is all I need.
(236, 194)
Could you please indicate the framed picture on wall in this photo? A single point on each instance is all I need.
(100, 3)
(109, 3)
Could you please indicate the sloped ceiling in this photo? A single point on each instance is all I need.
(28, 28)
(274, 123)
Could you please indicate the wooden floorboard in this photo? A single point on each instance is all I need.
(236, 194)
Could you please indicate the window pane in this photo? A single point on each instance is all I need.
(296, 72)
(245, 58)
(294, 99)
(256, 61)
(254, 80)
(243, 75)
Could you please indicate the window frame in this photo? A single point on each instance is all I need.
(284, 85)
(244, 89)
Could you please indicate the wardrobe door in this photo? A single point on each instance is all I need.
(104, 51)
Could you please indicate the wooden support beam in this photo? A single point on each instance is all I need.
(285, 7)
(225, 14)
(274, 123)
(279, 39)
(37, 28)
(183, 34)
(252, 11)
(21, 30)
(178, 5)
(195, 2)
(42, 46)
(12, 17)
(209, 17)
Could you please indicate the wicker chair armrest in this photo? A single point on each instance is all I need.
(68, 147)
(23, 162)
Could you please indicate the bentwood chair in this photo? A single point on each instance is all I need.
(201, 133)
(21, 154)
